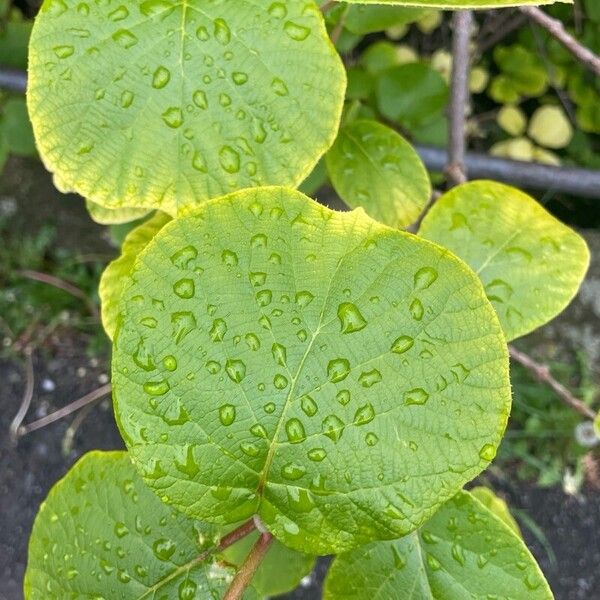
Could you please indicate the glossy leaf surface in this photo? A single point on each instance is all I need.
(101, 533)
(116, 273)
(531, 264)
(463, 551)
(334, 376)
(372, 166)
(165, 103)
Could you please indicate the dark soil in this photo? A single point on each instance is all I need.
(29, 469)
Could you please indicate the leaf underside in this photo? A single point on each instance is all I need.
(464, 551)
(165, 103)
(334, 376)
(531, 264)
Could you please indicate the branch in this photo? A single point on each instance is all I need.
(26, 399)
(543, 375)
(248, 569)
(459, 99)
(13, 80)
(557, 30)
(66, 410)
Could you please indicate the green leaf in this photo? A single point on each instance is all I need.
(372, 166)
(411, 94)
(101, 533)
(116, 272)
(531, 264)
(17, 128)
(14, 37)
(450, 4)
(370, 19)
(379, 57)
(496, 505)
(280, 571)
(464, 551)
(523, 68)
(274, 357)
(163, 104)
(114, 216)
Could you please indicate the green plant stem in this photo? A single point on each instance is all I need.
(337, 30)
(246, 571)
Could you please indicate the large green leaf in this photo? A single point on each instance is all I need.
(101, 533)
(449, 4)
(116, 272)
(334, 376)
(165, 103)
(372, 166)
(463, 552)
(531, 264)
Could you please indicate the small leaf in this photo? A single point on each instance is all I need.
(512, 119)
(550, 127)
(373, 167)
(113, 277)
(160, 104)
(411, 94)
(101, 533)
(278, 358)
(463, 551)
(531, 265)
(17, 128)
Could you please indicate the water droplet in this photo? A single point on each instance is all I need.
(183, 323)
(227, 414)
(182, 258)
(161, 77)
(416, 396)
(229, 159)
(157, 388)
(252, 341)
(433, 563)
(185, 288)
(187, 589)
(280, 381)
(127, 99)
(424, 278)
(236, 369)
(279, 87)
(458, 554)
(317, 454)
(416, 309)
(365, 414)
(292, 471)
(213, 367)
(163, 549)
(309, 406)
(142, 358)
(173, 117)
(278, 10)
(125, 38)
(64, 51)
(371, 439)
(297, 32)
(229, 258)
(200, 99)
(279, 354)
(498, 290)
(121, 529)
(218, 330)
(338, 369)
(249, 449)
(333, 427)
(303, 299)
(369, 378)
(402, 344)
(264, 297)
(239, 78)
(487, 452)
(258, 278)
(258, 431)
(350, 318)
(295, 431)
(222, 32)
(269, 408)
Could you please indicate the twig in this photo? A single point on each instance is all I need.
(543, 375)
(327, 6)
(499, 33)
(459, 98)
(339, 26)
(557, 30)
(62, 285)
(26, 399)
(13, 80)
(248, 569)
(66, 410)
(67, 441)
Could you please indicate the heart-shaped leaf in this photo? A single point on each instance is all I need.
(101, 533)
(531, 264)
(464, 551)
(163, 104)
(316, 368)
(111, 282)
(372, 166)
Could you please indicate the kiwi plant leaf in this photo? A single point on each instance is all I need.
(372, 166)
(531, 264)
(161, 104)
(336, 377)
(463, 551)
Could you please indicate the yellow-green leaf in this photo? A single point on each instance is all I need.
(531, 265)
